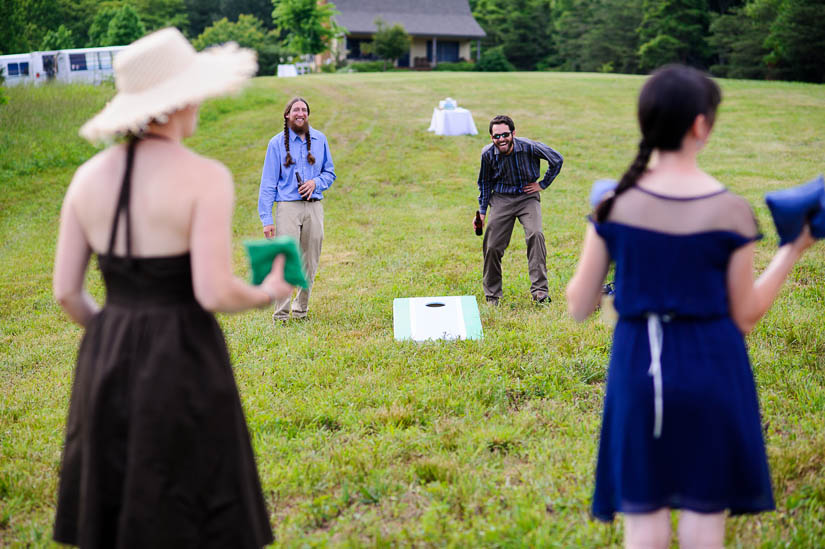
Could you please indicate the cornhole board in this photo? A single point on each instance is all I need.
(442, 317)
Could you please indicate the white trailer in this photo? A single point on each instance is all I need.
(86, 65)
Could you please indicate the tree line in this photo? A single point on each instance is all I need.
(761, 39)
(272, 27)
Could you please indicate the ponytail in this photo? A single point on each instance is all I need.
(628, 180)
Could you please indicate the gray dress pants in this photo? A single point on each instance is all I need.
(501, 217)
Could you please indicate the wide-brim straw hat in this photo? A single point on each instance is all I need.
(162, 73)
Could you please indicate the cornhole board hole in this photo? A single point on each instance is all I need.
(443, 317)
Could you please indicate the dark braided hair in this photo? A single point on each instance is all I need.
(288, 161)
(669, 103)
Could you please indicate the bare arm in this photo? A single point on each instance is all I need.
(216, 287)
(749, 300)
(585, 288)
(70, 263)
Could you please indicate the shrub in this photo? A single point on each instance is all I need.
(494, 60)
(365, 66)
(459, 66)
(389, 43)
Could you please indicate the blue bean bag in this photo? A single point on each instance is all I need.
(600, 189)
(792, 208)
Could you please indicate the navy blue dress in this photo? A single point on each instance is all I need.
(683, 431)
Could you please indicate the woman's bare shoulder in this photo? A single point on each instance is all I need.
(207, 171)
(96, 171)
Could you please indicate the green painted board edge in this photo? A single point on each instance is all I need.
(472, 318)
(401, 318)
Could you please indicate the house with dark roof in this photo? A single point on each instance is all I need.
(441, 30)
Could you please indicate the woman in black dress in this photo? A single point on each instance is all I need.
(157, 453)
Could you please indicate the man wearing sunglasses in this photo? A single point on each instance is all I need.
(508, 183)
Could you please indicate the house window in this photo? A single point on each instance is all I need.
(105, 60)
(77, 61)
(447, 51)
(13, 69)
(24, 69)
(354, 48)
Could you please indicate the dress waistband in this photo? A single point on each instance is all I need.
(672, 317)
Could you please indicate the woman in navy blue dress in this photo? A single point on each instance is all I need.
(681, 426)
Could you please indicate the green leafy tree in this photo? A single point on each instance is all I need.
(99, 29)
(738, 39)
(157, 14)
(388, 43)
(571, 25)
(262, 9)
(613, 41)
(797, 40)
(76, 16)
(308, 24)
(124, 28)
(201, 14)
(597, 35)
(249, 32)
(24, 23)
(494, 60)
(520, 27)
(59, 39)
(674, 31)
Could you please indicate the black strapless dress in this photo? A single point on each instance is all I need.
(157, 451)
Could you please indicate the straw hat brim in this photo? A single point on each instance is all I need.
(217, 71)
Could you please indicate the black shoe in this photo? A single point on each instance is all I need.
(492, 301)
(542, 300)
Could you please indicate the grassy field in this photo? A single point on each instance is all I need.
(363, 441)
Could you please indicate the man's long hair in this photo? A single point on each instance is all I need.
(288, 161)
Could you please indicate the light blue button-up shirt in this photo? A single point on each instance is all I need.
(279, 183)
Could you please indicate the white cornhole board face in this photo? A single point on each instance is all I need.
(444, 317)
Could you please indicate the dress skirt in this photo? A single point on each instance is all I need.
(157, 452)
(710, 455)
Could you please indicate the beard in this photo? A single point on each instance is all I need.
(300, 130)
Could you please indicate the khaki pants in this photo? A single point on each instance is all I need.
(501, 218)
(305, 221)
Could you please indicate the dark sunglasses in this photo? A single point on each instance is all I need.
(500, 135)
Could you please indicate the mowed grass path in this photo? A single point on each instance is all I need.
(363, 441)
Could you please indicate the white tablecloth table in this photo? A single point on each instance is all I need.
(287, 70)
(456, 121)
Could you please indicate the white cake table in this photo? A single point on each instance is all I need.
(456, 121)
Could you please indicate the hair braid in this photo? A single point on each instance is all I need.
(310, 158)
(288, 160)
(628, 180)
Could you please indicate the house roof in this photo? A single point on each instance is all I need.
(418, 17)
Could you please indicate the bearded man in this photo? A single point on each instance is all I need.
(297, 170)
(507, 183)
